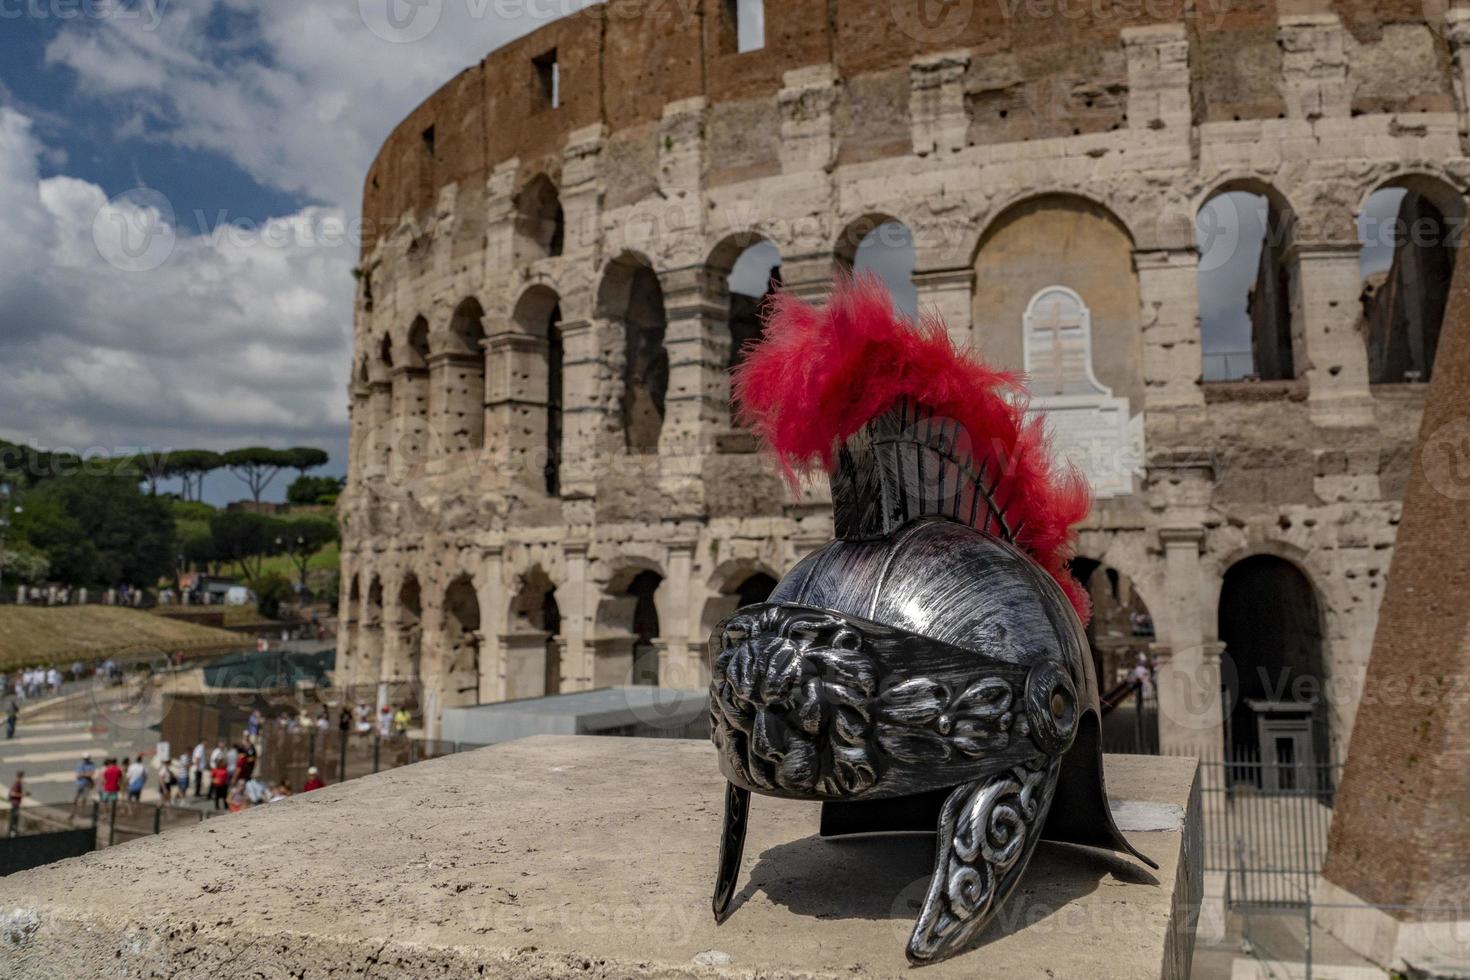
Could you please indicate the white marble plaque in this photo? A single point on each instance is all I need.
(1090, 428)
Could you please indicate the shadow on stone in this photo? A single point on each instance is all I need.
(885, 879)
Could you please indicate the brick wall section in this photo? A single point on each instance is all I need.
(623, 62)
(1399, 835)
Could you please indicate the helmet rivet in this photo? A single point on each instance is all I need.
(1058, 704)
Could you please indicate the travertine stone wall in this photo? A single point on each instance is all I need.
(670, 155)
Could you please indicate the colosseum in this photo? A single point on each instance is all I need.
(547, 492)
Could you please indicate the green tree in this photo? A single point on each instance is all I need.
(271, 590)
(99, 530)
(303, 458)
(192, 466)
(307, 490)
(257, 466)
(243, 537)
(303, 538)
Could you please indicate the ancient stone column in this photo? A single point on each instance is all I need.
(1168, 290)
(576, 619)
(1329, 347)
(1400, 832)
(949, 292)
(1190, 712)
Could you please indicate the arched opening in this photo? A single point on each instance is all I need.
(370, 633)
(347, 648)
(461, 675)
(645, 628)
(748, 269)
(1271, 625)
(740, 588)
(632, 297)
(1409, 230)
(534, 403)
(1070, 241)
(628, 630)
(465, 399)
(413, 395)
(540, 228)
(1121, 634)
(533, 644)
(883, 246)
(1246, 283)
(410, 631)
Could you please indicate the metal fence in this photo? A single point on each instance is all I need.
(286, 756)
(1266, 826)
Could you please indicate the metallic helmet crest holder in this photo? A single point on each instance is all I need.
(923, 671)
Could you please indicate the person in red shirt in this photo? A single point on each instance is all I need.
(17, 797)
(219, 784)
(313, 780)
(112, 776)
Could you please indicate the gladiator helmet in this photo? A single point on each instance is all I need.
(927, 670)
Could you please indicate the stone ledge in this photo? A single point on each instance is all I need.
(583, 857)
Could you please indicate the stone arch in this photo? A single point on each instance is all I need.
(1248, 270)
(744, 272)
(1121, 635)
(408, 665)
(540, 225)
(462, 642)
(1270, 618)
(631, 296)
(533, 642)
(1409, 228)
(413, 395)
(528, 402)
(628, 642)
(1066, 240)
(737, 583)
(463, 364)
(370, 634)
(883, 245)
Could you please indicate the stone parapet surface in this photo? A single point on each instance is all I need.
(584, 857)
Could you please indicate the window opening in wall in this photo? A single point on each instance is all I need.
(744, 27)
(548, 80)
(555, 359)
(888, 252)
(1406, 261)
(429, 141)
(1245, 278)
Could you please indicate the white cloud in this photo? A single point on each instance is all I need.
(242, 336)
(299, 95)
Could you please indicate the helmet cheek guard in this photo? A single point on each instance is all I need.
(928, 670)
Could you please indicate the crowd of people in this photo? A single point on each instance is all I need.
(225, 777)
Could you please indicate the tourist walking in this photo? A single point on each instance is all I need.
(137, 778)
(86, 779)
(112, 777)
(17, 797)
(11, 715)
(196, 769)
(219, 783)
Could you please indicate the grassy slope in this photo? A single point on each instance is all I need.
(32, 635)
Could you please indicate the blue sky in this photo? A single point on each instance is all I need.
(179, 178)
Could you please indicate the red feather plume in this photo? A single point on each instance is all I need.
(821, 374)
